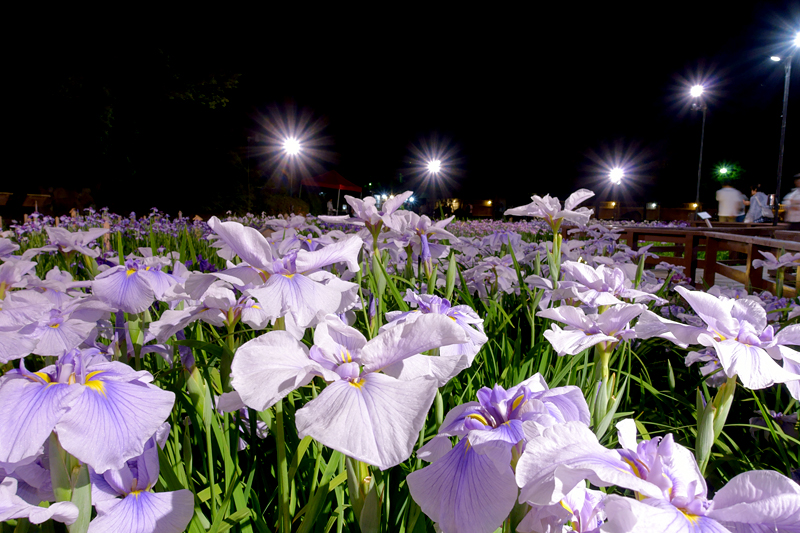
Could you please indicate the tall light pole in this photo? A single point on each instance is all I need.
(787, 67)
(292, 148)
(699, 105)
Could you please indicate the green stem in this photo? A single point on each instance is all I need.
(283, 472)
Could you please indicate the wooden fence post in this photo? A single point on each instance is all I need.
(710, 270)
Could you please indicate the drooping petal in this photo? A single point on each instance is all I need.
(299, 295)
(376, 420)
(145, 512)
(563, 456)
(127, 290)
(759, 497)
(12, 506)
(111, 420)
(626, 515)
(269, 367)
(411, 338)
(573, 341)
(753, 365)
(29, 410)
(463, 492)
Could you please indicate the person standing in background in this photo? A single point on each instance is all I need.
(731, 203)
(331, 209)
(759, 209)
(792, 205)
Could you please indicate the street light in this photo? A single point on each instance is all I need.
(616, 175)
(723, 170)
(697, 92)
(434, 166)
(292, 148)
(787, 77)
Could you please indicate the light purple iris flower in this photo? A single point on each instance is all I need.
(452, 359)
(67, 241)
(12, 274)
(366, 214)
(362, 412)
(295, 285)
(133, 287)
(549, 208)
(561, 457)
(752, 501)
(737, 329)
(124, 499)
(103, 412)
(7, 248)
(581, 510)
(584, 331)
(773, 263)
(12, 506)
(470, 488)
(597, 286)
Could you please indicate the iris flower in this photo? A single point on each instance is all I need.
(451, 359)
(549, 208)
(753, 501)
(584, 331)
(363, 413)
(133, 287)
(103, 412)
(12, 506)
(737, 329)
(124, 499)
(296, 284)
(470, 488)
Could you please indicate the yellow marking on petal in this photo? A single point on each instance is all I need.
(633, 467)
(256, 306)
(346, 357)
(71, 380)
(720, 335)
(95, 384)
(565, 506)
(467, 447)
(519, 401)
(130, 271)
(135, 493)
(288, 276)
(44, 376)
(54, 326)
(358, 383)
(479, 418)
(147, 269)
(452, 318)
(689, 516)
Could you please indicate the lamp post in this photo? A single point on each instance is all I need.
(292, 148)
(787, 68)
(699, 105)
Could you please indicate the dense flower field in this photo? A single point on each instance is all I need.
(385, 372)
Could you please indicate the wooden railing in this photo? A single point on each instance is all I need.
(748, 246)
(742, 241)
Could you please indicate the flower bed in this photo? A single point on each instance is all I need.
(385, 372)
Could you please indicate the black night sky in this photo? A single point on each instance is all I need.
(536, 100)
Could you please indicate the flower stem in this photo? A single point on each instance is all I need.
(285, 525)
